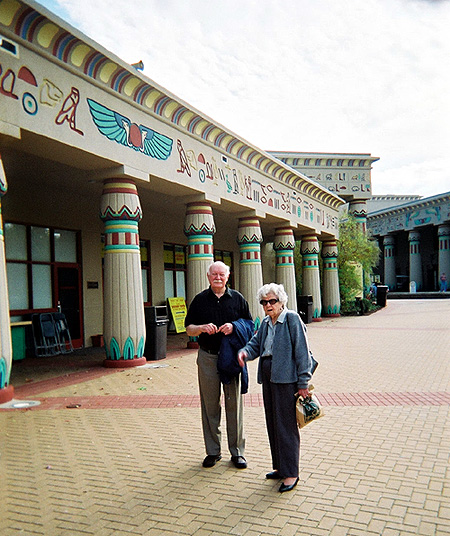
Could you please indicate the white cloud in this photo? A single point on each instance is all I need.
(299, 75)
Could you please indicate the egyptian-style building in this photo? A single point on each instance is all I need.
(116, 195)
(414, 236)
(346, 174)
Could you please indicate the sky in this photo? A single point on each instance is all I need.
(346, 76)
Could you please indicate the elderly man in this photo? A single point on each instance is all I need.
(210, 317)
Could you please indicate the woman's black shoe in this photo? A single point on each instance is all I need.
(274, 475)
(284, 488)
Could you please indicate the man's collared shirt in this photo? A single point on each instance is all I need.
(207, 308)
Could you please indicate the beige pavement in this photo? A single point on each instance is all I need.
(128, 459)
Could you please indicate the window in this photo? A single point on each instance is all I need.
(31, 254)
(175, 267)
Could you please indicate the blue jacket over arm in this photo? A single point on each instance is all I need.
(227, 363)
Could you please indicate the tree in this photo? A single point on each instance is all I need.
(354, 248)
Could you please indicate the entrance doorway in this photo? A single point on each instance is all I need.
(68, 295)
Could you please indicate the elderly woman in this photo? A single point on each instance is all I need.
(285, 367)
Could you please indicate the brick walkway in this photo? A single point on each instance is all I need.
(377, 463)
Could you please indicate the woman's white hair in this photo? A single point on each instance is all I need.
(273, 288)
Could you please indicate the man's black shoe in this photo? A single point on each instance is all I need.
(239, 462)
(211, 460)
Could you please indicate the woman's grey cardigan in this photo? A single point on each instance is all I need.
(292, 361)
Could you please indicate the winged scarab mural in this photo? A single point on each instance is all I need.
(119, 128)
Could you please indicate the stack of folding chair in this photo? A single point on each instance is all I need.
(63, 333)
(44, 335)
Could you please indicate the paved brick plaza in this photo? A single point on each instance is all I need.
(114, 452)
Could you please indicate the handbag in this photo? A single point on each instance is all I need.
(308, 409)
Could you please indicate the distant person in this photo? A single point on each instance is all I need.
(443, 282)
(373, 289)
(285, 368)
(212, 315)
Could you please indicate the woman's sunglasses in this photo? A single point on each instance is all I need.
(273, 301)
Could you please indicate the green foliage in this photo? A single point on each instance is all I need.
(354, 248)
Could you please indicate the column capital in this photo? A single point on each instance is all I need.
(284, 238)
(358, 209)
(444, 229)
(249, 231)
(413, 236)
(199, 219)
(310, 244)
(329, 249)
(120, 201)
(388, 240)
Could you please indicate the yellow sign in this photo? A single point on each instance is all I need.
(179, 311)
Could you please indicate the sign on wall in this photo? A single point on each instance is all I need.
(178, 310)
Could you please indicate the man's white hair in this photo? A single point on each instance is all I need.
(220, 265)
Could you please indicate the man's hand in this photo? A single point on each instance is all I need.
(210, 329)
(226, 329)
(194, 331)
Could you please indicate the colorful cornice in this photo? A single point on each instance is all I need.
(55, 37)
(324, 160)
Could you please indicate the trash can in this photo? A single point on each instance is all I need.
(18, 340)
(305, 308)
(382, 291)
(156, 321)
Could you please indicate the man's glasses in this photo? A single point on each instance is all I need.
(273, 301)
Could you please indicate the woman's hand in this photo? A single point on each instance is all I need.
(241, 358)
(304, 393)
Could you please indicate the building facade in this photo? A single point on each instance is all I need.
(414, 237)
(116, 195)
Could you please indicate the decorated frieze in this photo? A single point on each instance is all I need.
(429, 211)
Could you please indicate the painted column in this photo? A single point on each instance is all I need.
(311, 276)
(199, 228)
(358, 208)
(389, 262)
(6, 390)
(415, 259)
(331, 300)
(444, 251)
(123, 316)
(284, 245)
(250, 269)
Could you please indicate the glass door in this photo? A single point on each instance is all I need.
(68, 284)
